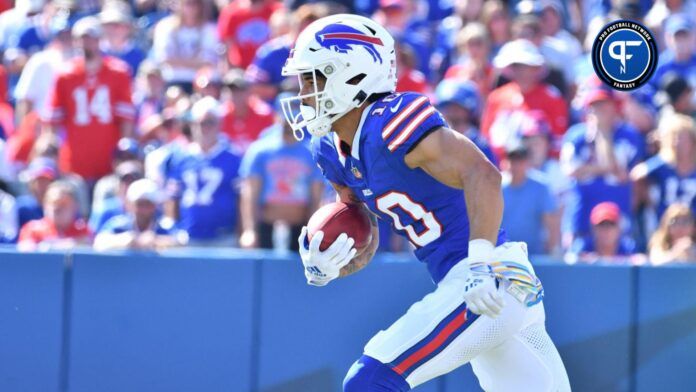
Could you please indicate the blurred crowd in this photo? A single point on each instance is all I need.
(149, 124)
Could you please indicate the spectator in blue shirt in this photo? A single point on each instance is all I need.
(139, 227)
(281, 182)
(116, 17)
(532, 215)
(606, 243)
(203, 181)
(670, 176)
(680, 55)
(598, 155)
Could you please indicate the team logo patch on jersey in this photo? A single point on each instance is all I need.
(356, 172)
(624, 55)
(341, 38)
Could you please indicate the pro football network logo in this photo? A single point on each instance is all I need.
(624, 55)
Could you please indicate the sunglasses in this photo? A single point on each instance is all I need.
(681, 221)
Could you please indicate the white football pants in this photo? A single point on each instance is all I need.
(510, 353)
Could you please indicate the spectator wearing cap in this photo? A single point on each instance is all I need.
(535, 132)
(675, 240)
(280, 183)
(37, 177)
(606, 242)
(184, 42)
(460, 104)
(61, 227)
(670, 176)
(523, 62)
(127, 149)
(126, 172)
(265, 71)
(244, 114)
(140, 227)
(91, 102)
(557, 72)
(117, 20)
(33, 87)
(47, 147)
(243, 27)
(149, 94)
(202, 183)
(598, 154)
(473, 58)
(680, 53)
(534, 216)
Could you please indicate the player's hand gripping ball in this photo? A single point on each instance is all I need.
(335, 234)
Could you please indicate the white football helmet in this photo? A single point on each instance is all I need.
(357, 58)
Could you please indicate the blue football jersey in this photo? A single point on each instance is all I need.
(431, 215)
(667, 186)
(206, 186)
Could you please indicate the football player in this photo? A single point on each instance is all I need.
(395, 153)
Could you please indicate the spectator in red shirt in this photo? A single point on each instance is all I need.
(91, 100)
(61, 227)
(524, 64)
(244, 115)
(243, 27)
(408, 77)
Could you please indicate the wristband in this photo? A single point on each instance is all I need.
(481, 250)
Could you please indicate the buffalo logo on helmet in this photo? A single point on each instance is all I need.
(341, 38)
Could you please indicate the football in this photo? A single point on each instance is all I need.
(336, 218)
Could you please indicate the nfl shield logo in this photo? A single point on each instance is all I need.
(356, 172)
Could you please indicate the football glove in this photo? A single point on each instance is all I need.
(321, 267)
(481, 292)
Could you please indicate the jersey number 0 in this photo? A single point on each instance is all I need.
(388, 202)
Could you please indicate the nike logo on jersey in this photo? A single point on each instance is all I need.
(396, 107)
(367, 192)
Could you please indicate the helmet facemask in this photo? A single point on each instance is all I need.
(354, 57)
(328, 107)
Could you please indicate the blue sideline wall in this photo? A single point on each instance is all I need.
(235, 321)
